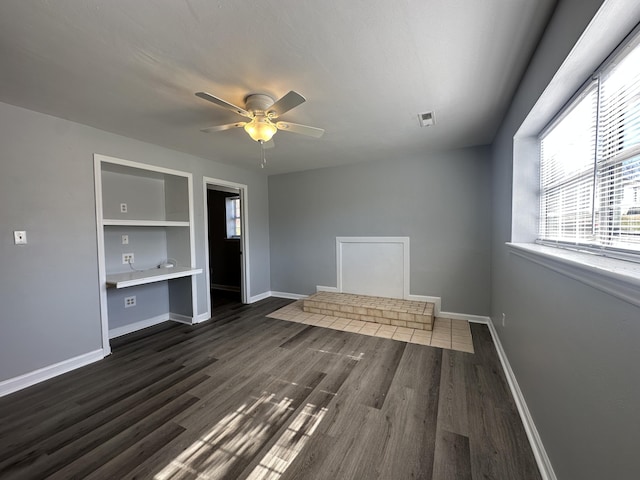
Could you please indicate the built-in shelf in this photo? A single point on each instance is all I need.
(133, 278)
(144, 223)
(145, 211)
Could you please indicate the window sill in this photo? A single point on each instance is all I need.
(615, 277)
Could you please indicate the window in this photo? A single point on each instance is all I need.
(232, 205)
(590, 163)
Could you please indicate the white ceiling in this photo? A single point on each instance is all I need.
(366, 67)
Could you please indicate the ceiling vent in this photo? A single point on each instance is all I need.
(427, 119)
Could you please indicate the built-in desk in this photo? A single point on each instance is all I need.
(133, 278)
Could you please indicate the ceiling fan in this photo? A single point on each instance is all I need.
(262, 110)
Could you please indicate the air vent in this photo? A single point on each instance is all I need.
(427, 119)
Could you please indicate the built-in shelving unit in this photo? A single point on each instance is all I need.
(144, 211)
(131, 279)
(143, 223)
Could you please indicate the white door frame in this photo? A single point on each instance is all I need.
(244, 237)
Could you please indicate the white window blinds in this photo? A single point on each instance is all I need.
(618, 176)
(567, 165)
(590, 163)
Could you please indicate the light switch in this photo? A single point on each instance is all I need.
(20, 237)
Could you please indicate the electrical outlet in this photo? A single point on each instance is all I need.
(504, 319)
(123, 208)
(127, 258)
(125, 239)
(20, 237)
(129, 301)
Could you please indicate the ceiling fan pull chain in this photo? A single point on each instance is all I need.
(263, 162)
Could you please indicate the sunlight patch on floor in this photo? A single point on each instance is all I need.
(289, 445)
(238, 434)
(237, 439)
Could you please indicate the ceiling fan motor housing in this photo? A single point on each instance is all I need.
(258, 103)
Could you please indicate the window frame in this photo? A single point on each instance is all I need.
(517, 158)
(233, 217)
(629, 44)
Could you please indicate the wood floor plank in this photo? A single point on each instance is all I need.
(375, 379)
(247, 397)
(412, 411)
(68, 412)
(490, 409)
(452, 405)
(119, 466)
(293, 436)
(325, 455)
(107, 419)
(78, 459)
(452, 457)
(299, 338)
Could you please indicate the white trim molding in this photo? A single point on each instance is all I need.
(260, 296)
(133, 327)
(437, 302)
(45, 373)
(291, 296)
(102, 269)
(203, 317)
(403, 241)
(465, 316)
(618, 278)
(540, 454)
(321, 288)
(178, 317)
(244, 238)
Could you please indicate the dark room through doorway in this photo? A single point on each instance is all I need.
(224, 209)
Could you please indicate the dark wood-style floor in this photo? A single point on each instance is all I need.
(248, 397)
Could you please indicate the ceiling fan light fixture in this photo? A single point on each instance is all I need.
(260, 128)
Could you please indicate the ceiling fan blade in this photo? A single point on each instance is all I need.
(223, 104)
(301, 129)
(220, 128)
(286, 103)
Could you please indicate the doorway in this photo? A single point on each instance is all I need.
(226, 241)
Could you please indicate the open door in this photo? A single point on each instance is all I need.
(226, 240)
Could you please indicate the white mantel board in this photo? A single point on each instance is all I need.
(377, 266)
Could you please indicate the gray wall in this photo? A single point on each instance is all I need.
(440, 201)
(574, 349)
(49, 288)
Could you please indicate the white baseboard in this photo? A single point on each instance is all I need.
(28, 379)
(320, 288)
(465, 316)
(260, 296)
(177, 317)
(134, 327)
(437, 302)
(540, 454)
(203, 317)
(291, 296)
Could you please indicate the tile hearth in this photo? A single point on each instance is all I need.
(446, 333)
(383, 310)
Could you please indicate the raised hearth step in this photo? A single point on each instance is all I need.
(388, 311)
